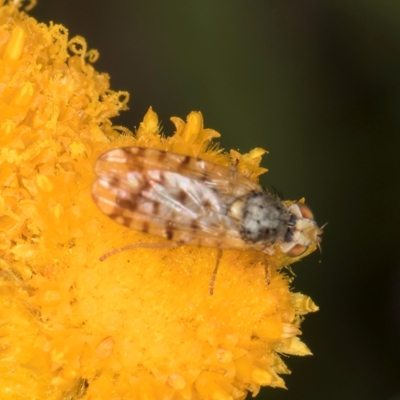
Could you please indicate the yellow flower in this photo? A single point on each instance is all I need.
(141, 324)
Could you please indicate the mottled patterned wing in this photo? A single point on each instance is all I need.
(178, 197)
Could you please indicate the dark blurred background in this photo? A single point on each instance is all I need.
(317, 83)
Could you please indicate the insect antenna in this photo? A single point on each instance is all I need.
(321, 231)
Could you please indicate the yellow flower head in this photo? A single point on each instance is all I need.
(140, 324)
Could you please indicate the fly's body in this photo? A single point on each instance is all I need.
(195, 202)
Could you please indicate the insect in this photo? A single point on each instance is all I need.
(196, 202)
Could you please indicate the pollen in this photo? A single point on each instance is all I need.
(140, 324)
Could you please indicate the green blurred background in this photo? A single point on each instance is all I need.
(317, 83)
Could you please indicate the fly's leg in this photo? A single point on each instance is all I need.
(165, 245)
(140, 246)
(267, 273)
(214, 274)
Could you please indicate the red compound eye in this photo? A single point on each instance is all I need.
(297, 250)
(305, 211)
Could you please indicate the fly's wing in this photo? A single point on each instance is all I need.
(170, 195)
(127, 159)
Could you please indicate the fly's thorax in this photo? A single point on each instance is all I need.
(263, 218)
